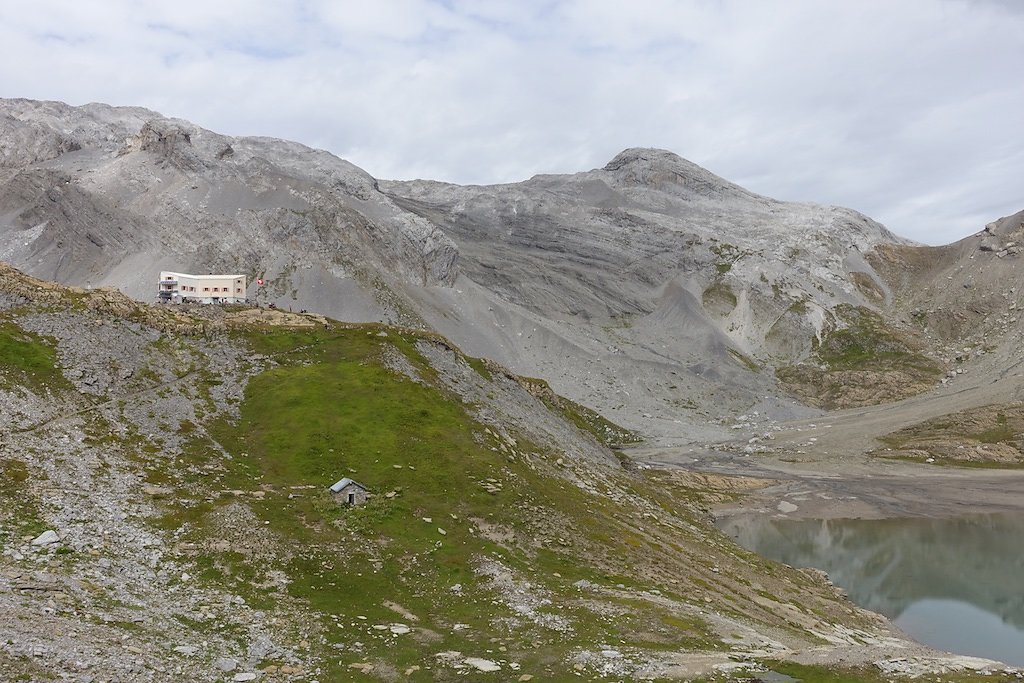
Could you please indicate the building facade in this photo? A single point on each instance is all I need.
(205, 289)
(349, 492)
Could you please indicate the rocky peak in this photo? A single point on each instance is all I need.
(635, 156)
(662, 170)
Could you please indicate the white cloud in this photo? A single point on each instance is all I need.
(907, 111)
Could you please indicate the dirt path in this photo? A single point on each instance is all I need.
(62, 416)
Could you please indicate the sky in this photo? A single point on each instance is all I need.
(911, 112)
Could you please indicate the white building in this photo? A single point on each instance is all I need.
(205, 289)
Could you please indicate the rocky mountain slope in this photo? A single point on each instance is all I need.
(651, 290)
(166, 515)
(100, 195)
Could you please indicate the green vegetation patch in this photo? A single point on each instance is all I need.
(24, 668)
(19, 512)
(480, 365)
(29, 359)
(867, 343)
(745, 360)
(819, 673)
(799, 307)
(862, 361)
(987, 436)
(331, 409)
(828, 673)
(719, 298)
(459, 526)
(1000, 432)
(725, 256)
(867, 286)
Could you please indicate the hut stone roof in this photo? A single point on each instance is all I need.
(343, 483)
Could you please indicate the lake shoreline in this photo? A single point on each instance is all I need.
(892, 490)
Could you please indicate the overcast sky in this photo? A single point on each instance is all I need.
(910, 111)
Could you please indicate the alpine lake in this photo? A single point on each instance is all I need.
(954, 584)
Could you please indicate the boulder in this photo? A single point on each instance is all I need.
(46, 538)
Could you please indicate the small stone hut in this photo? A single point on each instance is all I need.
(349, 492)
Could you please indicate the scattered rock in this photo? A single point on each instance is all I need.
(225, 664)
(46, 538)
(485, 665)
(156, 490)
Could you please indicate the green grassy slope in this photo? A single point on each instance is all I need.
(473, 543)
(484, 537)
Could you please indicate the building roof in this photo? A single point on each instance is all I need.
(341, 484)
(202, 277)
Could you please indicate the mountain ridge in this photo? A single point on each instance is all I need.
(598, 282)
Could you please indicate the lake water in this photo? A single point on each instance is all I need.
(954, 584)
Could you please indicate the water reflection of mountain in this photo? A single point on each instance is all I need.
(887, 565)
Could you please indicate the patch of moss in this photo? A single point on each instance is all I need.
(745, 360)
(29, 359)
(867, 343)
(719, 298)
(853, 363)
(480, 366)
(19, 512)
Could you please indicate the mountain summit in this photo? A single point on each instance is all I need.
(665, 171)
